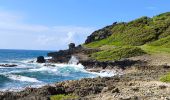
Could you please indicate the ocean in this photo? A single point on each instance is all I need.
(28, 73)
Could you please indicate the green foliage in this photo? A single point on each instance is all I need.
(163, 42)
(152, 35)
(117, 53)
(62, 97)
(165, 78)
(107, 41)
(140, 22)
(155, 49)
(135, 33)
(162, 16)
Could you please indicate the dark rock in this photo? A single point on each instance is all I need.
(100, 34)
(115, 90)
(40, 59)
(166, 66)
(63, 56)
(136, 89)
(8, 65)
(162, 87)
(121, 64)
(71, 46)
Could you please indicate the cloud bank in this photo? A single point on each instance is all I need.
(16, 34)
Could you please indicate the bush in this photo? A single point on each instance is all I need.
(163, 42)
(165, 78)
(135, 33)
(117, 53)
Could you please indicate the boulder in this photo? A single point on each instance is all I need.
(8, 65)
(71, 46)
(40, 59)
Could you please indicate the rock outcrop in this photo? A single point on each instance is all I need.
(106, 64)
(63, 56)
(40, 59)
(71, 46)
(100, 34)
(8, 65)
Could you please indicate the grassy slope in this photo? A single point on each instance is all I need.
(117, 53)
(150, 34)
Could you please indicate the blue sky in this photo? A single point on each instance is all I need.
(52, 24)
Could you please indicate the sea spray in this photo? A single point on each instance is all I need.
(29, 73)
(73, 60)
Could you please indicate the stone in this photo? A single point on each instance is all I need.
(71, 46)
(162, 87)
(8, 65)
(136, 89)
(105, 89)
(115, 90)
(40, 59)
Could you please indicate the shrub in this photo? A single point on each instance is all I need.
(117, 53)
(62, 97)
(165, 78)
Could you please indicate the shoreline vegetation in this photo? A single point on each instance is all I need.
(139, 48)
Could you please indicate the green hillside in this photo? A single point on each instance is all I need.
(148, 34)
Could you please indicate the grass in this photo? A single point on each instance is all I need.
(135, 33)
(149, 35)
(108, 41)
(163, 42)
(62, 97)
(165, 78)
(155, 49)
(117, 53)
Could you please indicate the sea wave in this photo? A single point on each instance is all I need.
(28, 73)
(23, 78)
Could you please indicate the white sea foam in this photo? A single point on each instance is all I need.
(73, 60)
(108, 73)
(17, 89)
(23, 78)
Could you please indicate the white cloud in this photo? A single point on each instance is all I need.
(8, 17)
(16, 34)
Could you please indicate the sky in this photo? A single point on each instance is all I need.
(53, 24)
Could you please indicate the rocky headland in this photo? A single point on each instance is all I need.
(139, 49)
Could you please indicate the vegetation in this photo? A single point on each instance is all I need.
(163, 42)
(117, 53)
(152, 35)
(165, 78)
(62, 97)
(135, 33)
(155, 49)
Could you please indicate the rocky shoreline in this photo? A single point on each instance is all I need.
(139, 81)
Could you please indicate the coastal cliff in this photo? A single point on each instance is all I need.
(139, 48)
(121, 41)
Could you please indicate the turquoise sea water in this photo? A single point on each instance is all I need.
(32, 74)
